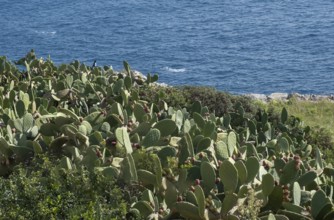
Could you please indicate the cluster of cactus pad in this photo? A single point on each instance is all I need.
(197, 166)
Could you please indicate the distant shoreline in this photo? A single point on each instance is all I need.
(280, 96)
(288, 96)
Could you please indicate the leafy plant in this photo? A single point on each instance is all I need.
(43, 190)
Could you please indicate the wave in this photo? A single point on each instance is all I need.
(49, 33)
(175, 70)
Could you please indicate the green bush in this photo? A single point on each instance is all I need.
(183, 97)
(173, 96)
(43, 191)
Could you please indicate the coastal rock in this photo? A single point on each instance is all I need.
(261, 97)
(278, 96)
(286, 97)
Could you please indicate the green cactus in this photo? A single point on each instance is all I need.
(179, 119)
(293, 215)
(128, 169)
(229, 176)
(191, 197)
(229, 202)
(242, 171)
(200, 201)
(208, 175)
(208, 129)
(128, 82)
(110, 172)
(139, 112)
(320, 205)
(142, 129)
(188, 210)
(251, 150)
(268, 184)
(292, 207)
(157, 170)
(196, 107)
(253, 166)
(275, 199)
(221, 150)
(65, 163)
(318, 159)
(289, 173)
(284, 115)
(296, 193)
(199, 120)
(151, 138)
(171, 194)
(203, 144)
(144, 208)
(146, 177)
(227, 121)
(186, 148)
(166, 127)
(283, 144)
(252, 127)
(37, 148)
(166, 152)
(123, 138)
(118, 86)
(231, 142)
(20, 108)
(70, 113)
(95, 118)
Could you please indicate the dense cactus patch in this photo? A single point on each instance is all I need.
(171, 162)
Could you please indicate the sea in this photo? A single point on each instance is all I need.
(239, 46)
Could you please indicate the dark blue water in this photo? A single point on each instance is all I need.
(241, 46)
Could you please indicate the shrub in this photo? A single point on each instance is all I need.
(43, 191)
(216, 101)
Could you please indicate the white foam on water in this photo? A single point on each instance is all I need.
(175, 70)
(49, 33)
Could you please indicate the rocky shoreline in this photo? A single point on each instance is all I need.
(287, 96)
(262, 97)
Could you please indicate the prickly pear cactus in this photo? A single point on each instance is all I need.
(192, 164)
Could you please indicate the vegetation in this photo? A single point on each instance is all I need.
(43, 191)
(91, 143)
(217, 102)
(319, 115)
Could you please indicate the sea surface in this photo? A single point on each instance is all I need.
(240, 46)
